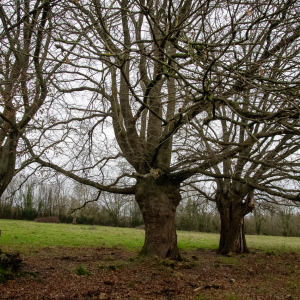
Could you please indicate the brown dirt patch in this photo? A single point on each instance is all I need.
(113, 273)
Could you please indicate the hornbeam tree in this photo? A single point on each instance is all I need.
(143, 73)
(25, 73)
(270, 166)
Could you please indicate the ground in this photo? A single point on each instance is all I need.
(63, 261)
(115, 273)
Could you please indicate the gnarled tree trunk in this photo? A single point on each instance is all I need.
(158, 200)
(232, 212)
(232, 238)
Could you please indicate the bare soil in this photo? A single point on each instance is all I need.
(114, 273)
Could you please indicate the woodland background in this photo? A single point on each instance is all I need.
(35, 198)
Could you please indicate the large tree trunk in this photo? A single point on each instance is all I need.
(232, 238)
(158, 200)
(8, 161)
(232, 212)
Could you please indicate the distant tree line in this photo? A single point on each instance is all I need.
(38, 199)
(274, 219)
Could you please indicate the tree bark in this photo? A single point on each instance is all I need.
(158, 199)
(232, 212)
(232, 238)
(8, 161)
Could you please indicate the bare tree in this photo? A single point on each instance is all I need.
(148, 79)
(265, 109)
(27, 63)
(269, 166)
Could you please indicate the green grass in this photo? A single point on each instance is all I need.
(274, 243)
(20, 235)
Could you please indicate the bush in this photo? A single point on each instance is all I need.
(47, 220)
(142, 227)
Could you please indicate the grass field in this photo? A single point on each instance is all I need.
(22, 235)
